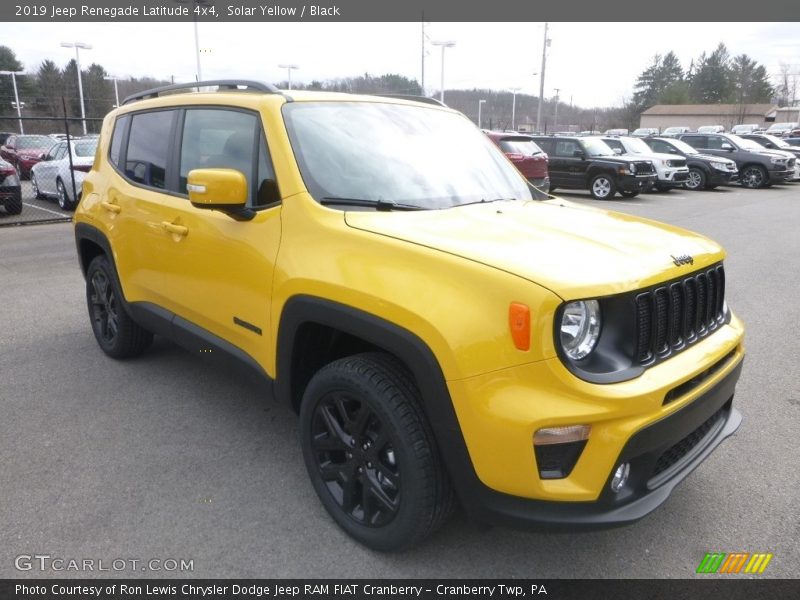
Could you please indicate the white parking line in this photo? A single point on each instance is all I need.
(52, 212)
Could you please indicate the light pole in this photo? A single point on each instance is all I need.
(480, 104)
(16, 96)
(116, 89)
(555, 116)
(514, 91)
(443, 45)
(545, 45)
(78, 46)
(289, 69)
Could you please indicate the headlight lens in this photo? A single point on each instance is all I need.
(580, 328)
(720, 166)
(777, 161)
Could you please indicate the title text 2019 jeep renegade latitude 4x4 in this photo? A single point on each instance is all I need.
(443, 329)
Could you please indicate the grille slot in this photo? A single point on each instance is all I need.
(668, 318)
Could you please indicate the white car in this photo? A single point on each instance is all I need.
(711, 129)
(671, 170)
(781, 129)
(744, 128)
(52, 178)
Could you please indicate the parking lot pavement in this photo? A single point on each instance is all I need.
(164, 458)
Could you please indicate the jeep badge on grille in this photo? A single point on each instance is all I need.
(682, 259)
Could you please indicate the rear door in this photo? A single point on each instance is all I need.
(573, 167)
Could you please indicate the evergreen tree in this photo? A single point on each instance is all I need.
(749, 82)
(50, 85)
(711, 83)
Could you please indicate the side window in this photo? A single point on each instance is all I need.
(546, 145)
(148, 146)
(116, 139)
(615, 145)
(60, 151)
(662, 147)
(219, 138)
(696, 141)
(566, 148)
(714, 142)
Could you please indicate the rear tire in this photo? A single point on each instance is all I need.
(370, 453)
(14, 205)
(35, 186)
(63, 198)
(116, 333)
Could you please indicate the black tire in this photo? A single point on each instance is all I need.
(114, 330)
(64, 201)
(626, 194)
(696, 180)
(602, 187)
(370, 453)
(663, 188)
(14, 205)
(35, 186)
(754, 177)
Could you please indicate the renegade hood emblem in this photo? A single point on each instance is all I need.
(682, 259)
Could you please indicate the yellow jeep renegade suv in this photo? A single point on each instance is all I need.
(444, 329)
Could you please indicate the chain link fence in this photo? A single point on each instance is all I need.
(43, 161)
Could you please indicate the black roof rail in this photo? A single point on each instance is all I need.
(221, 84)
(413, 98)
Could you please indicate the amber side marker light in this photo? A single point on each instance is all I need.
(519, 323)
(557, 449)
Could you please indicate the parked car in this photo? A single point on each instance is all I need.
(616, 132)
(794, 133)
(10, 188)
(51, 177)
(758, 167)
(588, 163)
(775, 143)
(671, 170)
(781, 129)
(24, 151)
(526, 155)
(706, 171)
(4, 135)
(674, 131)
(645, 131)
(711, 129)
(792, 141)
(444, 330)
(744, 128)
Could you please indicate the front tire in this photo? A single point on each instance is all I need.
(754, 177)
(116, 333)
(696, 180)
(370, 453)
(602, 187)
(35, 186)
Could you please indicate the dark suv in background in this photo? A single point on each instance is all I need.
(529, 158)
(758, 166)
(588, 163)
(706, 171)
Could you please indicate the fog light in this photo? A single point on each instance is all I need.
(620, 477)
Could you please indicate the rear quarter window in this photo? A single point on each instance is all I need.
(116, 139)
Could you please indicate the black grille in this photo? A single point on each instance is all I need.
(677, 162)
(674, 315)
(644, 166)
(675, 453)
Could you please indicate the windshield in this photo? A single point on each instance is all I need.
(634, 146)
(683, 147)
(777, 141)
(413, 155)
(28, 142)
(781, 127)
(744, 143)
(596, 148)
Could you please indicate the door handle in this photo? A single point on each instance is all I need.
(111, 207)
(176, 229)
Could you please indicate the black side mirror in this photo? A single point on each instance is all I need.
(579, 154)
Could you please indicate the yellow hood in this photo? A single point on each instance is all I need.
(574, 251)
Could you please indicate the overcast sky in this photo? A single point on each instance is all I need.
(594, 63)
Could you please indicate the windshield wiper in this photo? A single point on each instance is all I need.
(482, 201)
(383, 205)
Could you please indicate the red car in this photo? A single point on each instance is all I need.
(521, 150)
(24, 151)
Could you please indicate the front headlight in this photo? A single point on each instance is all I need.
(720, 166)
(777, 161)
(580, 328)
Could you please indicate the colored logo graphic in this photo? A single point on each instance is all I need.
(736, 562)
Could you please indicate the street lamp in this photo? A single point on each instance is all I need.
(116, 89)
(289, 68)
(16, 96)
(514, 91)
(480, 104)
(443, 45)
(78, 46)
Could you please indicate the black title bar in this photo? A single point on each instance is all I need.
(397, 10)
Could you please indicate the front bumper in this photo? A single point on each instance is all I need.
(673, 178)
(635, 183)
(717, 177)
(661, 456)
(10, 190)
(781, 175)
